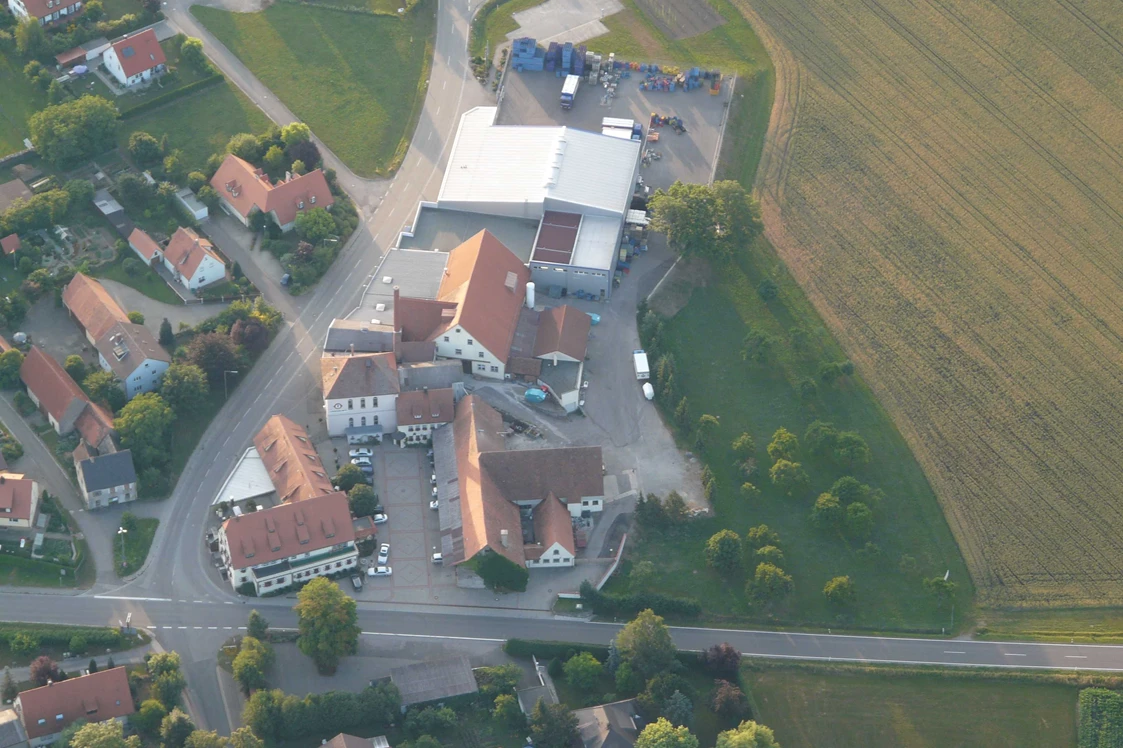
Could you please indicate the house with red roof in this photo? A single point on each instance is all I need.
(10, 244)
(46, 12)
(246, 190)
(192, 260)
(135, 58)
(19, 500)
(98, 697)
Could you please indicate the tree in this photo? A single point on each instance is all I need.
(723, 660)
(191, 52)
(8, 691)
(75, 367)
(214, 353)
(31, 39)
(175, 171)
(507, 711)
(104, 387)
(262, 714)
(840, 592)
(426, 741)
(646, 645)
(81, 191)
(274, 160)
(109, 734)
(784, 445)
(348, 477)
(10, 362)
(830, 372)
(940, 588)
(679, 709)
(787, 476)
(827, 513)
(744, 446)
(859, 521)
(245, 146)
(851, 450)
(728, 700)
(767, 290)
(251, 334)
(327, 623)
(769, 553)
(44, 669)
(705, 221)
(144, 425)
(257, 626)
(168, 686)
(243, 737)
(552, 725)
(760, 536)
(674, 507)
(66, 737)
(184, 388)
(723, 551)
(298, 167)
(207, 196)
(748, 734)
(205, 739)
(295, 132)
(363, 500)
(176, 728)
(704, 430)
(315, 225)
(641, 574)
(167, 335)
(757, 346)
(253, 660)
(498, 679)
(662, 734)
(769, 584)
(144, 149)
(305, 152)
(583, 671)
(149, 717)
(74, 131)
(682, 413)
(500, 573)
(849, 489)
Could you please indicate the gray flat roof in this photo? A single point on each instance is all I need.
(108, 471)
(438, 679)
(445, 230)
(416, 273)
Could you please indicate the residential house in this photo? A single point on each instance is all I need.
(291, 461)
(10, 244)
(615, 725)
(92, 306)
(46, 711)
(46, 12)
(360, 395)
(12, 191)
(133, 354)
(192, 260)
(145, 247)
(421, 411)
(276, 547)
(343, 740)
(518, 503)
(19, 501)
(246, 190)
(53, 391)
(106, 480)
(135, 58)
(476, 311)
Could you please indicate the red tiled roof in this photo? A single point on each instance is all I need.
(17, 496)
(186, 251)
(425, 406)
(552, 524)
(40, 8)
(291, 460)
(92, 306)
(94, 425)
(10, 244)
(420, 319)
(97, 697)
(246, 187)
(49, 382)
(5, 346)
(288, 529)
(562, 329)
(144, 244)
(139, 52)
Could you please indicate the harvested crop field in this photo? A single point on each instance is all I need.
(944, 178)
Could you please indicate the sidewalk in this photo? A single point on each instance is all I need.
(75, 665)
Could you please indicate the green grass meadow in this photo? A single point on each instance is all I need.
(136, 547)
(19, 99)
(354, 77)
(808, 709)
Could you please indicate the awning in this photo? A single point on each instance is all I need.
(375, 429)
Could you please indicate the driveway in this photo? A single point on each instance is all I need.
(244, 247)
(52, 329)
(155, 311)
(576, 20)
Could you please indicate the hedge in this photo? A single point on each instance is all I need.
(60, 636)
(602, 603)
(1101, 718)
(170, 96)
(549, 650)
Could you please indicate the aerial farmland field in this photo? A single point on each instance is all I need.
(945, 180)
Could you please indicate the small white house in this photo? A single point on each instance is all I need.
(135, 59)
(132, 353)
(192, 260)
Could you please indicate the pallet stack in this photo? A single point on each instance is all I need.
(526, 55)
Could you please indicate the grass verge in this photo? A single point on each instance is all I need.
(56, 639)
(21, 100)
(316, 59)
(492, 22)
(147, 281)
(190, 429)
(19, 571)
(136, 545)
(841, 707)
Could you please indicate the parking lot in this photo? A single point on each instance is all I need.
(532, 99)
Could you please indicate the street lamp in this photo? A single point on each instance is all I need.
(225, 389)
(122, 532)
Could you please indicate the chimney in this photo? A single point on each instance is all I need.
(394, 311)
(504, 538)
(530, 294)
(352, 349)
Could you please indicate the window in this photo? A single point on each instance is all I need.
(268, 584)
(481, 354)
(481, 367)
(350, 405)
(469, 341)
(350, 421)
(374, 403)
(136, 378)
(300, 205)
(459, 352)
(556, 551)
(312, 199)
(42, 721)
(495, 369)
(375, 421)
(446, 338)
(363, 422)
(363, 402)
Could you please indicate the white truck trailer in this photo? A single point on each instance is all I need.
(639, 359)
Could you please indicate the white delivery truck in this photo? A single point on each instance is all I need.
(643, 371)
(569, 91)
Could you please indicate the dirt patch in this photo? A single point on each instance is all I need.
(673, 293)
(680, 19)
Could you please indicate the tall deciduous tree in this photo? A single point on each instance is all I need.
(583, 671)
(104, 387)
(144, 149)
(257, 626)
(706, 221)
(184, 388)
(769, 585)
(10, 362)
(315, 225)
(243, 737)
(728, 700)
(840, 592)
(67, 133)
(851, 450)
(500, 573)
(295, 132)
(44, 669)
(646, 644)
(827, 513)
(327, 623)
(191, 52)
(254, 658)
(859, 521)
(363, 500)
(31, 39)
(723, 551)
(176, 728)
(662, 734)
(109, 734)
(721, 660)
(552, 725)
(348, 477)
(788, 476)
(75, 367)
(784, 445)
(214, 353)
(144, 425)
(748, 734)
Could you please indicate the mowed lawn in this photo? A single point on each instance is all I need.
(353, 77)
(19, 99)
(950, 197)
(199, 124)
(882, 710)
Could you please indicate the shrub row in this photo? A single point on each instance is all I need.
(549, 650)
(349, 8)
(170, 96)
(60, 636)
(1101, 718)
(603, 604)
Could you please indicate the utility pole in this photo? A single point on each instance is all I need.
(225, 388)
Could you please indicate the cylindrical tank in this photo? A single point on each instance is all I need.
(594, 318)
(648, 391)
(530, 295)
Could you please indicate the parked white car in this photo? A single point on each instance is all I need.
(438, 559)
(362, 452)
(362, 461)
(380, 518)
(380, 571)
(384, 553)
(434, 504)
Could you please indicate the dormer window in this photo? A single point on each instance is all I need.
(300, 205)
(312, 199)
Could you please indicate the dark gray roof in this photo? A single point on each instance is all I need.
(438, 679)
(11, 732)
(435, 375)
(614, 725)
(448, 494)
(365, 337)
(416, 273)
(108, 471)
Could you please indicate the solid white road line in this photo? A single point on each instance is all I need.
(1013, 654)
(1076, 657)
(138, 599)
(430, 636)
(949, 652)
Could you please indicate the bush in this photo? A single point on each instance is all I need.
(628, 605)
